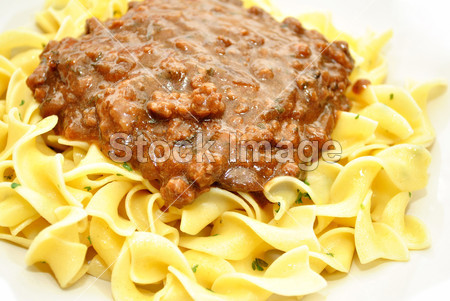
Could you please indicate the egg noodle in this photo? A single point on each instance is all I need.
(80, 213)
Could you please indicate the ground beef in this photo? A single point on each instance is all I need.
(169, 69)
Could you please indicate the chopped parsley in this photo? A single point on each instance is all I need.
(44, 45)
(410, 194)
(89, 238)
(357, 116)
(215, 234)
(194, 268)
(306, 182)
(361, 205)
(330, 254)
(391, 97)
(127, 166)
(259, 264)
(119, 174)
(22, 102)
(279, 206)
(43, 262)
(300, 197)
(14, 185)
(88, 188)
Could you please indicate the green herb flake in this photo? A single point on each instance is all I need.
(215, 234)
(362, 206)
(127, 166)
(300, 197)
(410, 194)
(279, 206)
(88, 188)
(14, 185)
(89, 238)
(306, 182)
(259, 264)
(391, 97)
(194, 268)
(43, 261)
(357, 116)
(43, 45)
(330, 254)
(22, 102)
(119, 174)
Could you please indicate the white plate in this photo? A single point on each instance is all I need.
(420, 50)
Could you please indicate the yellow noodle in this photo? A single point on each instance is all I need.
(224, 246)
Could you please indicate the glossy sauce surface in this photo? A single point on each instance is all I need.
(170, 69)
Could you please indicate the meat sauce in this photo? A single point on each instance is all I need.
(170, 69)
(360, 85)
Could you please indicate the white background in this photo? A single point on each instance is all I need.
(420, 50)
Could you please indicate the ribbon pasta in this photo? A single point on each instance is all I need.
(80, 213)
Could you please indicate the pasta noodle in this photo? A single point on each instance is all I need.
(80, 213)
